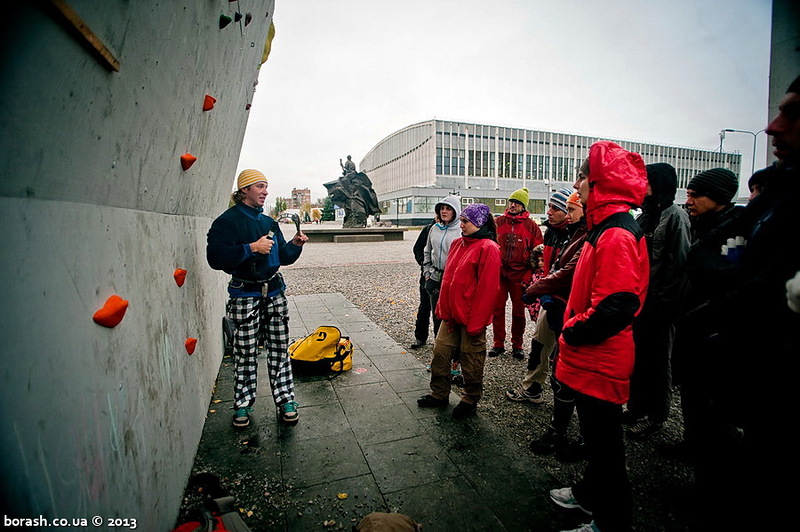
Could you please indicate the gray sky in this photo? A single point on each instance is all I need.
(344, 75)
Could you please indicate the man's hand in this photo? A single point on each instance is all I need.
(299, 239)
(263, 245)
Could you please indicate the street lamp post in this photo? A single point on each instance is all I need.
(755, 136)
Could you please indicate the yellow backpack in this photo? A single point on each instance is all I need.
(321, 352)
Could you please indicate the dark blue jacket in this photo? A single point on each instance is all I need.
(228, 249)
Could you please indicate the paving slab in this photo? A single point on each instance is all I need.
(362, 444)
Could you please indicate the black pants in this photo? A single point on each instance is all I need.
(604, 488)
(651, 382)
(432, 288)
(423, 312)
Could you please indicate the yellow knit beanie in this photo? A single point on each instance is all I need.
(520, 195)
(248, 177)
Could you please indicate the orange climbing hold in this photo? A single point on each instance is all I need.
(208, 102)
(112, 312)
(187, 160)
(180, 276)
(191, 344)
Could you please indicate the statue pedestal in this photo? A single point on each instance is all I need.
(352, 234)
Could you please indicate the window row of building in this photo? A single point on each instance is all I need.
(412, 169)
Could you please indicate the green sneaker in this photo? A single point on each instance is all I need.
(241, 418)
(289, 412)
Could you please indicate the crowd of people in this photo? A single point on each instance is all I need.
(703, 298)
(636, 298)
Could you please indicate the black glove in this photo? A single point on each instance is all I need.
(528, 300)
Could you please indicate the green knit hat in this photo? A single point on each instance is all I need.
(520, 195)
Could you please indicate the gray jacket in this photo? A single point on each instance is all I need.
(439, 239)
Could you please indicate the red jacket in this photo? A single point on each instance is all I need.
(596, 350)
(517, 236)
(471, 283)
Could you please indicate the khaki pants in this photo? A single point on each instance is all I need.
(545, 336)
(473, 358)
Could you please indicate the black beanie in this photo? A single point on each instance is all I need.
(718, 184)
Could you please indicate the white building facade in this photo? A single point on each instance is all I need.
(413, 168)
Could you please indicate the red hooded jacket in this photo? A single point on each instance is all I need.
(471, 283)
(517, 236)
(596, 350)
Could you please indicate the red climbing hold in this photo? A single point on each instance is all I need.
(191, 344)
(208, 102)
(180, 276)
(247, 107)
(112, 312)
(187, 160)
(248, 18)
(224, 20)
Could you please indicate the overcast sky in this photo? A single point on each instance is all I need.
(344, 75)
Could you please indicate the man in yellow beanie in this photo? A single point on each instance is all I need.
(249, 245)
(517, 235)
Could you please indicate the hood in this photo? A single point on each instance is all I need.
(452, 201)
(617, 181)
(663, 184)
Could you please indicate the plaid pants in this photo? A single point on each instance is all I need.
(261, 321)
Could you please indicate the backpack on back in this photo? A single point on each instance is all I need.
(321, 352)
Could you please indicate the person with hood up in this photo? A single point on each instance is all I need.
(440, 237)
(666, 231)
(469, 289)
(553, 292)
(424, 310)
(517, 235)
(596, 349)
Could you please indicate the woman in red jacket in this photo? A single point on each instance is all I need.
(470, 286)
(596, 349)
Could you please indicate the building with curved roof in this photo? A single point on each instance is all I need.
(413, 168)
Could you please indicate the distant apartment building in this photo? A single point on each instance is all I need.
(300, 197)
(413, 168)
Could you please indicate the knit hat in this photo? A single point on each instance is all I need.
(575, 199)
(559, 199)
(717, 184)
(386, 522)
(477, 213)
(248, 177)
(520, 195)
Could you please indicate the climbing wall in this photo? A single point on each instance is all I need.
(120, 130)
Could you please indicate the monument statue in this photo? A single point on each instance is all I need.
(347, 167)
(353, 192)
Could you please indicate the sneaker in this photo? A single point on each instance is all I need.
(429, 401)
(496, 351)
(521, 396)
(549, 442)
(573, 452)
(564, 498)
(418, 343)
(518, 353)
(588, 527)
(241, 418)
(289, 412)
(644, 428)
(464, 409)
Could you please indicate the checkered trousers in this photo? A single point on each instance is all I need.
(261, 321)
